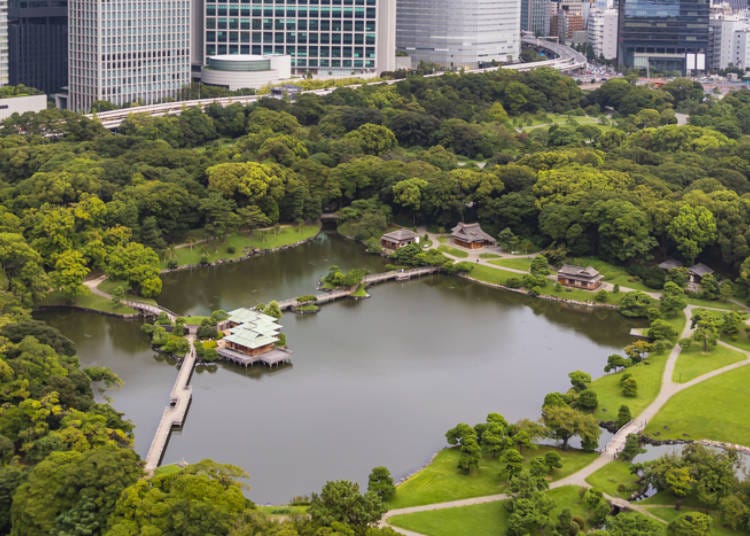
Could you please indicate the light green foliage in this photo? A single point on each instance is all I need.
(207, 495)
(692, 229)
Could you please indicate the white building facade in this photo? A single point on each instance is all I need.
(730, 34)
(602, 32)
(125, 51)
(322, 37)
(459, 34)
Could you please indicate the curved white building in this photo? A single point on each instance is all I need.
(459, 34)
(241, 71)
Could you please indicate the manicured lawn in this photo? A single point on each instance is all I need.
(90, 301)
(440, 481)
(489, 519)
(694, 362)
(615, 479)
(496, 276)
(481, 519)
(715, 409)
(109, 286)
(517, 263)
(616, 275)
(489, 256)
(648, 376)
(258, 239)
(282, 510)
(677, 323)
(459, 253)
(714, 304)
(194, 320)
(742, 341)
(444, 239)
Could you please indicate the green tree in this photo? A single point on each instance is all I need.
(380, 482)
(623, 416)
(73, 488)
(690, 524)
(633, 524)
(579, 380)
(203, 498)
(539, 266)
(693, 228)
(341, 501)
(673, 300)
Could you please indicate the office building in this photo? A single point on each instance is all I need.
(664, 36)
(38, 43)
(125, 51)
(459, 34)
(323, 37)
(535, 16)
(602, 32)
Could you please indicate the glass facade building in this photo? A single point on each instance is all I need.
(535, 16)
(38, 43)
(321, 36)
(663, 35)
(125, 51)
(459, 34)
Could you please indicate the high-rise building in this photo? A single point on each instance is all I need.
(663, 35)
(125, 51)
(38, 43)
(3, 42)
(602, 32)
(535, 16)
(459, 34)
(325, 37)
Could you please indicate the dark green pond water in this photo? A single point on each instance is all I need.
(375, 382)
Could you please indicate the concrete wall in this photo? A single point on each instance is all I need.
(31, 103)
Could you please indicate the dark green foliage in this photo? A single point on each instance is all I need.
(380, 482)
(623, 416)
(341, 502)
(632, 448)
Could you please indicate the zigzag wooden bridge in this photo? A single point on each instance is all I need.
(367, 281)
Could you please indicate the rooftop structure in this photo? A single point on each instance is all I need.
(251, 337)
(471, 235)
(399, 238)
(699, 271)
(241, 71)
(587, 278)
(670, 264)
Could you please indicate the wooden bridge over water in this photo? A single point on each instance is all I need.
(367, 281)
(175, 412)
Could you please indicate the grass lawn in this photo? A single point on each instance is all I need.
(616, 275)
(496, 276)
(258, 239)
(282, 510)
(677, 323)
(109, 286)
(194, 320)
(615, 479)
(718, 304)
(89, 301)
(444, 239)
(361, 292)
(487, 519)
(440, 481)
(167, 470)
(517, 263)
(489, 256)
(648, 375)
(481, 519)
(694, 362)
(742, 341)
(714, 409)
(459, 253)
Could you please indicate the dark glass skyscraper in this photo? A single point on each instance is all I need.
(38, 43)
(663, 35)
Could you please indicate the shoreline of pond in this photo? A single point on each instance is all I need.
(588, 306)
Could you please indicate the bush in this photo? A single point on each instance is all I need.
(601, 297)
(172, 264)
(514, 282)
(203, 260)
(307, 298)
(231, 250)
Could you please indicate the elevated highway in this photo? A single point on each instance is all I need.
(566, 60)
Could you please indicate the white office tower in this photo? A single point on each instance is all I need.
(125, 51)
(602, 32)
(459, 34)
(3, 42)
(730, 39)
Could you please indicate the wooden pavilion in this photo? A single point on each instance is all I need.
(471, 235)
(574, 276)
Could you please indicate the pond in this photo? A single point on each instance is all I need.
(374, 382)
